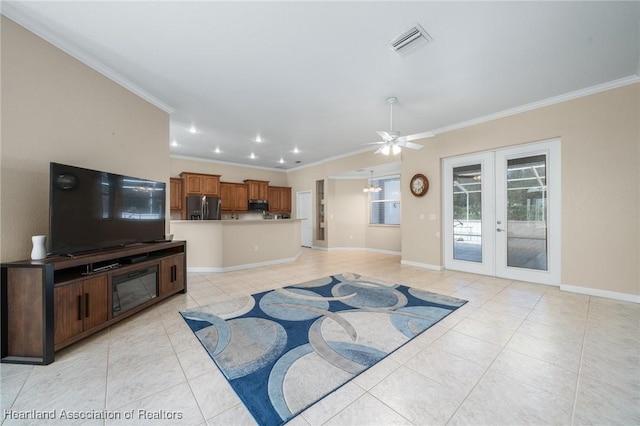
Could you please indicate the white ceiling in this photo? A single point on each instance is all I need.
(316, 75)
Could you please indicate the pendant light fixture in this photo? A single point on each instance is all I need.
(370, 186)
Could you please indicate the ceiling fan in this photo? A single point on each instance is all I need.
(392, 142)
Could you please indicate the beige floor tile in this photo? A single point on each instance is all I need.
(236, 415)
(483, 331)
(142, 380)
(605, 403)
(502, 400)
(173, 406)
(447, 369)
(213, 393)
(418, 398)
(562, 354)
(332, 404)
(536, 373)
(367, 411)
(467, 347)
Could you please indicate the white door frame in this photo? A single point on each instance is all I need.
(307, 223)
(494, 243)
(487, 265)
(551, 149)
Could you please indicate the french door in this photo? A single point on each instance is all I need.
(502, 213)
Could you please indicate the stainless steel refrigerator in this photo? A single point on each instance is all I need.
(203, 207)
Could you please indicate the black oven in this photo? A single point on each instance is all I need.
(258, 205)
(133, 289)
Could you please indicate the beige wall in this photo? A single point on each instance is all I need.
(347, 213)
(600, 140)
(304, 179)
(228, 172)
(54, 108)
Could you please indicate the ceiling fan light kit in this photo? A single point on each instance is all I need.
(392, 142)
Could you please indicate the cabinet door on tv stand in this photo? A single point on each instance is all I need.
(68, 300)
(171, 274)
(79, 307)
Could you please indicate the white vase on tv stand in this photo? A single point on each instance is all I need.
(38, 251)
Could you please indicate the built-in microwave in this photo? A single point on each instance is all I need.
(258, 205)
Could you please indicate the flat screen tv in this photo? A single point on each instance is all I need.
(91, 210)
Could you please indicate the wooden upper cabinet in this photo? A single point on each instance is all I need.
(200, 184)
(242, 197)
(279, 199)
(211, 185)
(274, 199)
(175, 194)
(233, 197)
(285, 199)
(258, 189)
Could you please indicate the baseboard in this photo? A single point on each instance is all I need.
(372, 250)
(421, 265)
(244, 266)
(626, 297)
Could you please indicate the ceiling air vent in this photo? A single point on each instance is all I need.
(410, 40)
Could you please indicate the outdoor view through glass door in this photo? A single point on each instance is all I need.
(502, 213)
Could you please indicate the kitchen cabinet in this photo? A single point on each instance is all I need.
(175, 194)
(79, 307)
(234, 197)
(200, 184)
(279, 199)
(258, 189)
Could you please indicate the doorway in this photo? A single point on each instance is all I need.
(304, 212)
(502, 212)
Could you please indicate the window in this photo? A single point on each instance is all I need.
(385, 205)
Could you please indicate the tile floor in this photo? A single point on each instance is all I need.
(517, 353)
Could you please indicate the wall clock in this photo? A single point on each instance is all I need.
(419, 185)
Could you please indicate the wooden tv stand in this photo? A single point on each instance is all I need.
(51, 303)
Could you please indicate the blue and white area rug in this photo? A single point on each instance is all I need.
(285, 349)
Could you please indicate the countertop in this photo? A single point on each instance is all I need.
(237, 221)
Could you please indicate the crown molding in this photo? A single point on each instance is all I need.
(13, 12)
(228, 163)
(543, 103)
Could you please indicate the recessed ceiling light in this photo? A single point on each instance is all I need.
(193, 129)
(296, 150)
(281, 160)
(217, 150)
(258, 139)
(252, 156)
(174, 143)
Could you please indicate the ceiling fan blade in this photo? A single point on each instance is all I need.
(379, 150)
(412, 145)
(417, 136)
(374, 143)
(384, 135)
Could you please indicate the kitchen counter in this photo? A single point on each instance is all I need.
(230, 244)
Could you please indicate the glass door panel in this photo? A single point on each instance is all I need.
(467, 213)
(527, 212)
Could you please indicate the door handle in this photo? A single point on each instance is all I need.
(499, 229)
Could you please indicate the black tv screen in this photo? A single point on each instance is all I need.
(91, 210)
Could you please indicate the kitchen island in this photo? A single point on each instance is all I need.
(229, 245)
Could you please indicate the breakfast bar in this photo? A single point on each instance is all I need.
(229, 245)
